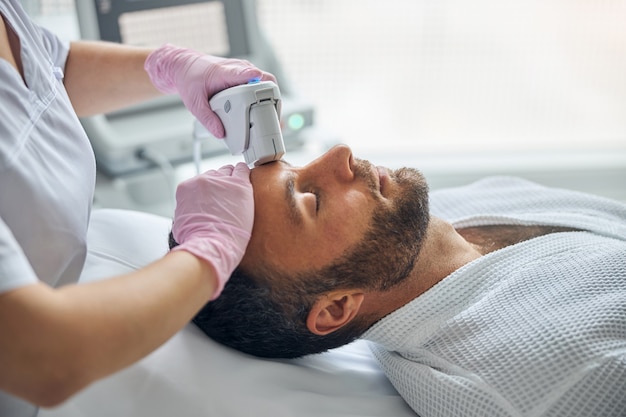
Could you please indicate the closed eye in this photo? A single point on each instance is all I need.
(316, 195)
(317, 200)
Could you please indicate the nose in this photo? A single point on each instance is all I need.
(336, 163)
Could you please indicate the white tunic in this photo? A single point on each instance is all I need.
(47, 167)
(47, 171)
(534, 329)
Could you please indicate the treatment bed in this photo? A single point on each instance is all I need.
(191, 375)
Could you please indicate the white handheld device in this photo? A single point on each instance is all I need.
(250, 114)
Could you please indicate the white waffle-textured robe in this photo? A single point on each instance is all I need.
(534, 329)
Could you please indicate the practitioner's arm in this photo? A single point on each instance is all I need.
(101, 77)
(54, 342)
(57, 341)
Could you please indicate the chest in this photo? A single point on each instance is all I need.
(495, 237)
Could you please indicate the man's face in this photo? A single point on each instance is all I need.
(307, 217)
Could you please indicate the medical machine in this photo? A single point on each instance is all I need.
(163, 131)
(250, 113)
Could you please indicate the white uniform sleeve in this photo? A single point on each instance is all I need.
(57, 49)
(15, 270)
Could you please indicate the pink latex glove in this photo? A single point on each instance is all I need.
(196, 77)
(213, 218)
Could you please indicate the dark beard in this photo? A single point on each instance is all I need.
(397, 234)
(387, 254)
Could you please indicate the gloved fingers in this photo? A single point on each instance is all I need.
(206, 116)
(202, 190)
(241, 170)
(229, 73)
(245, 76)
(219, 183)
(207, 224)
(238, 170)
(259, 73)
(268, 77)
(226, 170)
(212, 123)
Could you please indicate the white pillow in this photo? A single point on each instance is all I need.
(191, 375)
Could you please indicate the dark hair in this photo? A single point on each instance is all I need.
(249, 317)
(260, 324)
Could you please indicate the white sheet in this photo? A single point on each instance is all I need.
(191, 375)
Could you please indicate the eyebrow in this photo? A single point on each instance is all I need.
(294, 213)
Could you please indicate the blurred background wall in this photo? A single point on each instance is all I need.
(459, 76)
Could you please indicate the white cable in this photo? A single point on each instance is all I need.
(199, 132)
(197, 153)
(165, 167)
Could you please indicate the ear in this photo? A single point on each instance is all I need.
(333, 310)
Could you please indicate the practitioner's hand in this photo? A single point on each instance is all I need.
(196, 77)
(214, 216)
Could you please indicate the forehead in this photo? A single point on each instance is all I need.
(280, 241)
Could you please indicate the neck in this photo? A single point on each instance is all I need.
(443, 252)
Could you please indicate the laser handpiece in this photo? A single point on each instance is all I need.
(250, 114)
